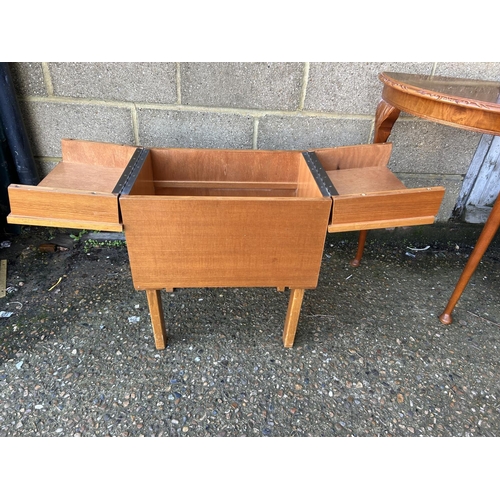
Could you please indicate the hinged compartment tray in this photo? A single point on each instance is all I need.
(366, 194)
(80, 192)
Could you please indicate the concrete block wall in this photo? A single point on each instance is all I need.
(279, 105)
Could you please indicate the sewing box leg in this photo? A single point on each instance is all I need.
(157, 318)
(292, 316)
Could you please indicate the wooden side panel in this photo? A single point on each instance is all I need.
(225, 188)
(96, 153)
(144, 183)
(225, 165)
(220, 242)
(359, 156)
(306, 185)
(33, 205)
(231, 192)
(385, 209)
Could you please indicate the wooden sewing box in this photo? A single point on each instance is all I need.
(222, 218)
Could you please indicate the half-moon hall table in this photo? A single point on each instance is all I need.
(463, 103)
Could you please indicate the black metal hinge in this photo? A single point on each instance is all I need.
(320, 176)
(131, 171)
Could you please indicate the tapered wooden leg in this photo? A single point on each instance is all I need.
(489, 230)
(292, 316)
(361, 246)
(157, 318)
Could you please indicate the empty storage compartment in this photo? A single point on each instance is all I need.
(367, 195)
(218, 172)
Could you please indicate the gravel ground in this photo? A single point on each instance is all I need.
(77, 356)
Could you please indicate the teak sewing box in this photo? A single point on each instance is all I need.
(222, 218)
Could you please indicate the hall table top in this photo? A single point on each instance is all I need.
(459, 102)
(464, 103)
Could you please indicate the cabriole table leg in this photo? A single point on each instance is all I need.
(385, 118)
(292, 316)
(361, 247)
(487, 234)
(157, 318)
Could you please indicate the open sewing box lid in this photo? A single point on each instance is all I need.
(82, 191)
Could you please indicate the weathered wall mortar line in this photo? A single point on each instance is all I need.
(257, 113)
(255, 133)
(178, 82)
(303, 92)
(135, 125)
(47, 79)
